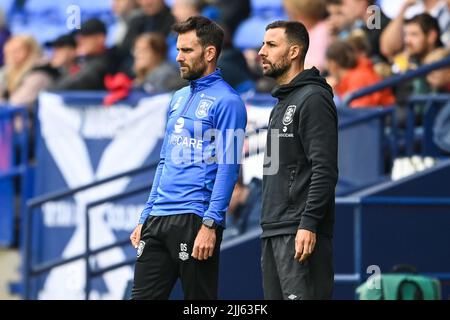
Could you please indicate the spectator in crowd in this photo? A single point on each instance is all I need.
(245, 207)
(232, 13)
(95, 60)
(421, 37)
(351, 73)
(391, 41)
(125, 11)
(358, 40)
(312, 14)
(253, 62)
(234, 67)
(361, 46)
(359, 15)
(64, 55)
(153, 72)
(338, 24)
(155, 16)
(4, 35)
(181, 11)
(439, 80)
(25, 72)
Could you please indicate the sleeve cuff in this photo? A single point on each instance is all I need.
(308, 223)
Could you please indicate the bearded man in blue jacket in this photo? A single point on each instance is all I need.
(180, 229)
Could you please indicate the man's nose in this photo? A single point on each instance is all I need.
(262, 52)
(180, 57)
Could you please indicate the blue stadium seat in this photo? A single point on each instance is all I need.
(40, 6)
(169, 2)
(6, 5)
(93, 6)
(41, 30)
(260, 5)
(250, 33)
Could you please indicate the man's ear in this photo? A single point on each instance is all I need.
(210, 53)
(295, 51)
(432, 37)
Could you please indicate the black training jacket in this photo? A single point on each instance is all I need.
(299, 187)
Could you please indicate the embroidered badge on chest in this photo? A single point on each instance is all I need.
(289, 115)
(203, 108)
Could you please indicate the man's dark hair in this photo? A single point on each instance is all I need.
(208, 32)
(334, 2)
(427, 23)
(296, 33)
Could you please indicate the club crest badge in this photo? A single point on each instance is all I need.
(203, 108)
(289, 115)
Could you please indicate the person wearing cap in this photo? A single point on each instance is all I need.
(95, 59)
(64, 54)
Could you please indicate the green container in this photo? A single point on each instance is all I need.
(398, 286)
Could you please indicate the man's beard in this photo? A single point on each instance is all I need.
(277, 69)
(417, 55)
(196, 72)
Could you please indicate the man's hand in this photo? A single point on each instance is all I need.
(204, 243)
(407, 4)
(305, 241)
(135, 236)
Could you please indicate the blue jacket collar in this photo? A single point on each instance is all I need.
(206, 81)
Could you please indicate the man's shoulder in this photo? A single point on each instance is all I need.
(225, 92)
(311, 90)
(182, 92)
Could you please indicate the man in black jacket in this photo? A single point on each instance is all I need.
(300, 171)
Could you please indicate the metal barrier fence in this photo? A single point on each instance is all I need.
(13, 165)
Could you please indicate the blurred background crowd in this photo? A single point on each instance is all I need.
(128, 44)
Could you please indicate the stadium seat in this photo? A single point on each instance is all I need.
(250, 33)
(97, 5)
(261, 5)
(6, 5)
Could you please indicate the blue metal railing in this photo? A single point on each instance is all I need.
(432, 101)
(20, 167)
(395, 80)
(432, 104)
(358, 204)
(31, 270)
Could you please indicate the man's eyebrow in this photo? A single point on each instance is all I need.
(269, 42)
(184, 48)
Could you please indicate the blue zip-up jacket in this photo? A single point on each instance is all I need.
(199, 166)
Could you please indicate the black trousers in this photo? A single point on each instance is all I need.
(164, 255)
(288, 279)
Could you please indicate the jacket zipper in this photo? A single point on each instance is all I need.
(186, 107)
